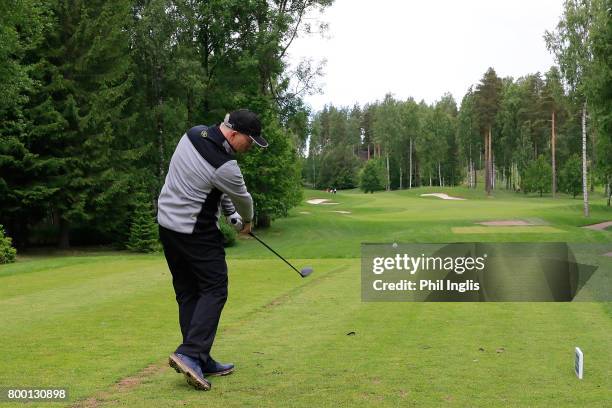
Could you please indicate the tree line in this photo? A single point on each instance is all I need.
(527, 134)
(95, 94)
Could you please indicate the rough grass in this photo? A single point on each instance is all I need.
(103, 324)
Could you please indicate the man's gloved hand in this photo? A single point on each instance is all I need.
(235, 220)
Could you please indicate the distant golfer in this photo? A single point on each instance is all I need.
(204, 179)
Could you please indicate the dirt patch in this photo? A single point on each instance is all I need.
(608, 254)
(599, 227)
(442, 196)
(123, 385)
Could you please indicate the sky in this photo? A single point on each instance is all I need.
(423, 48)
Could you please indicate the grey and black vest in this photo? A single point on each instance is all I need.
(203, 178)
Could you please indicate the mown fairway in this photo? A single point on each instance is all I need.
(103, 324)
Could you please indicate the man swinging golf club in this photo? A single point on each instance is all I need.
(203, 179)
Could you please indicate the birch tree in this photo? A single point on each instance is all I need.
(572, 47)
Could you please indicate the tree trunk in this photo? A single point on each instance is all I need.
(400, 174)
(473, 173)
(410, 176)
(552, 148)
(593, 158)
(491, 174)
(609, 191)
(468, 174)
(439, 175)
(470, 169)
(262, 221)
(64, 233)
(585, 190)
(388, 172)
(314, 173)
(17, 228)
(160, 126)
(486, 165)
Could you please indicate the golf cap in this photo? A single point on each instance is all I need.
(247, 122)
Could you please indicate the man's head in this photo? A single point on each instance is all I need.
(241, 128)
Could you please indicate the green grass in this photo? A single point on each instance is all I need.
(102, 324)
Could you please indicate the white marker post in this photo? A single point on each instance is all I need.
(579, 363)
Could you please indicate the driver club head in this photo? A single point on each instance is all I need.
(306, 271)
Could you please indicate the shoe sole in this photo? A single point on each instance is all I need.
(190, 375)
(220, 373)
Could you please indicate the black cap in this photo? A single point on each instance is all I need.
(247, 122)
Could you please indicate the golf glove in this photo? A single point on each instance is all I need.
(235, 220)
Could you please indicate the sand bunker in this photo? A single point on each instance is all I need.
(519, 229)
(342, 212)
(442, 196)
(506, 223)
(599, 227)
(317, 201)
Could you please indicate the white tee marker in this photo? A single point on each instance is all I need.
(579, 363)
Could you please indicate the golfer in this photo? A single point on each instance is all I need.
(203, 180)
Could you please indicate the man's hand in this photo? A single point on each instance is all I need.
(246, 229)
(235, 220)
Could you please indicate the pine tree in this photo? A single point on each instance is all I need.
(488, 95)
(23, 188)
(78, 110)
(552, 100)
(143, 230)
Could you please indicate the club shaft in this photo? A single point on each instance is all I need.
(275, 253)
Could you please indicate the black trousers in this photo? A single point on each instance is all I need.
(199, 277)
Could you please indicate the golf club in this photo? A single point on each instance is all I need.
(303, 273)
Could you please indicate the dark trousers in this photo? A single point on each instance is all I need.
(199, 277)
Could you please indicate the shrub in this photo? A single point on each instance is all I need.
(570, 179)
(371, 177)
(537, 177)
(7, 252)
(229, 233)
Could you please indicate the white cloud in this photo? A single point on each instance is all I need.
(425, 48)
